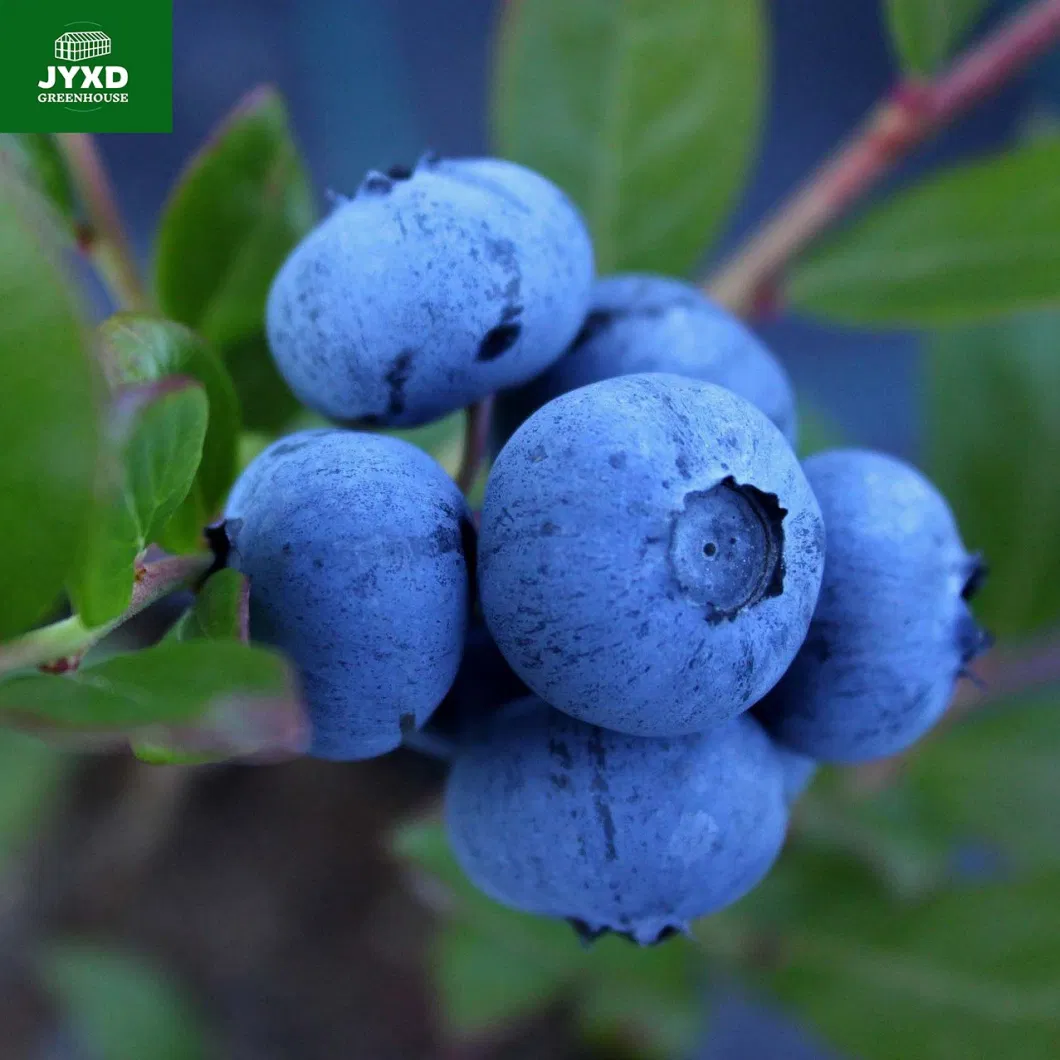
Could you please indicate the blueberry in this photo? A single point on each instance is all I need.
(484, 684)
(645, 323)
(650, 554)
(798, 772)
(357, 548)
(614, 832)
(892, 630)
(430, 289)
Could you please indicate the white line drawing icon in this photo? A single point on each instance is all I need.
(77, 45)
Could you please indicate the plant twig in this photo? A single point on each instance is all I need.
(61, 645)
(912, 114)
(476, 438)
(104, 238)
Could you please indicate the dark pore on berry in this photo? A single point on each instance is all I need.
(727, 547)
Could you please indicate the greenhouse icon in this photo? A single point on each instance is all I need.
(78, 45)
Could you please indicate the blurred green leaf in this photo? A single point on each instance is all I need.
(482, 986)
(886, 834)
(251, 444)
(49, 417)
(494, 965)
(37, 157)
(170, 683)
(646, 112)
(650, 998)
(123, 1006)
(220, 611)
(267, 402)
(995, 779)
(241, 205)
(141, 349)
(993, 432)
(925, 32)
(974, 972)
(972, 242)
(30, 775)
(159, 429)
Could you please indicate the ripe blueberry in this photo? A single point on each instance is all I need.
(892, 630)
(617, 833)
(484, 685)
(798, 772)
(650, 554)
(430, 289)
(357, 550)
(645, 323)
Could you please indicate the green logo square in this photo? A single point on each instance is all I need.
(87, 66)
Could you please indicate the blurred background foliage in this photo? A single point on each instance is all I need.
(313, 910)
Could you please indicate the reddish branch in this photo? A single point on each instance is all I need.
(102, 237)
(749, 283)
(914, 112)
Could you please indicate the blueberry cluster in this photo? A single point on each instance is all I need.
(663, 622)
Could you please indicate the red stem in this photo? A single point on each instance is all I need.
(912, 114)
(104, 238)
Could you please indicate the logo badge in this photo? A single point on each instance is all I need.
(82, 45)
(74, 74)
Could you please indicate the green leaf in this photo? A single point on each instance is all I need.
(49, 416)
(423, 843)
(649, 997)
(646, 112)
(926, 32)
(970, 243)
(220, 612)
(974, 972)
(268, 404)
(159, 430)
(37, 158)
(252, 444)
(993, 422)
(141, 349)
(887, 834)
(214, 695)
(123, 1006)
(1012, 753)
(481, 986)
(238, 210)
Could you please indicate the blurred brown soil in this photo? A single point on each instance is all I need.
(267, 890)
